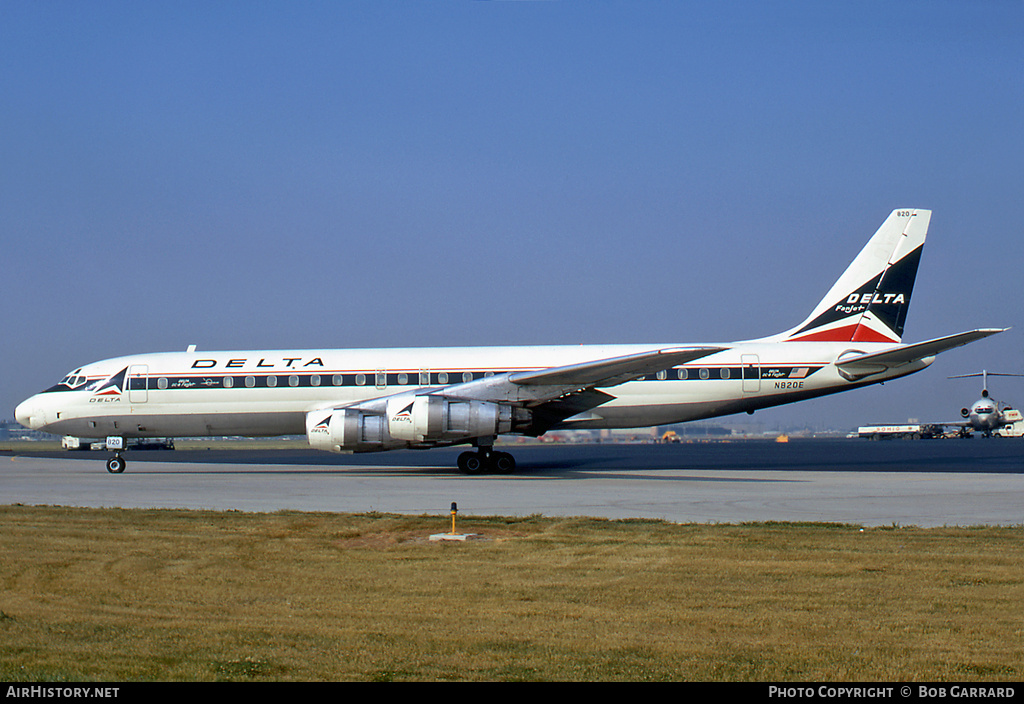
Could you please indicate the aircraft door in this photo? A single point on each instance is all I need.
(137, 381)
(751, 373)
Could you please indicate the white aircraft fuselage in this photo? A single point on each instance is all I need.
(266, 393)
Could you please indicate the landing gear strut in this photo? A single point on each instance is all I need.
(485, 459)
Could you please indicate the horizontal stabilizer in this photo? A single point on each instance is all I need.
(865, 364)
(982, 374)
(610, 372)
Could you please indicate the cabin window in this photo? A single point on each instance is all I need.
(229, 381)
(704, 374)
(314, 380)
(467, 376)
(250, 381)
(271, 381)
(683, 374)
(403, 378)
(662, 375)
(161, 383)
(360, 379)
(725, 372)
(337, 380)
(442, 378)
(424, 378)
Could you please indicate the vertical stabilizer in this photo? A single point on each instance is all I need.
(870, 300)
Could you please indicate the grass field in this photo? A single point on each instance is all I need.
(120, 595)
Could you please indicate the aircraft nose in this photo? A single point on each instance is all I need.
(25, 413)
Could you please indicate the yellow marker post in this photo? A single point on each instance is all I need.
(452, 535)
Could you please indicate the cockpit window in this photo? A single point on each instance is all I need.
(74, 379)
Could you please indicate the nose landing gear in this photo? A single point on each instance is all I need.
(116, 464)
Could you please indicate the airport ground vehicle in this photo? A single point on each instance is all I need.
(1012, 427)
(70, 442)
(908, 431)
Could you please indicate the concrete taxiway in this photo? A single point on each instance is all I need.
(983, 485)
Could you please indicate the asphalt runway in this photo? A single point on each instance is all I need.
(922, 483)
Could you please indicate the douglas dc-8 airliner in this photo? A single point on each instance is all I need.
(362, 400)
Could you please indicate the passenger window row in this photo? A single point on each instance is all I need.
(382, 378)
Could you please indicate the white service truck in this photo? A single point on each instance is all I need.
(70, 442)
(911, 431)
(1014, 427)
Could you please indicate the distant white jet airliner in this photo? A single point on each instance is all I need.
(985, 415)
(363, 400)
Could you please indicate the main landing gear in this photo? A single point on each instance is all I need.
(485, 459)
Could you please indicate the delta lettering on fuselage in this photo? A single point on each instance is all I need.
(286, 363)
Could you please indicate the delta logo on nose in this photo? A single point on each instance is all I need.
(114, 386)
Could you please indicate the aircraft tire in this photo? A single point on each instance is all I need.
(471, 463)
(116, 464)
(503, 463)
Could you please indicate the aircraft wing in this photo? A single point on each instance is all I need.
(866, 364)
(556, 393)
(602, 373)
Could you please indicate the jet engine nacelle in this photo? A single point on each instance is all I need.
(432, 419)
(349, 430)
(410, 421)
(965, 412)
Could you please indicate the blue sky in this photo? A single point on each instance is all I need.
(359, 174)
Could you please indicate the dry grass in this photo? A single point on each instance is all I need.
(118, 595)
